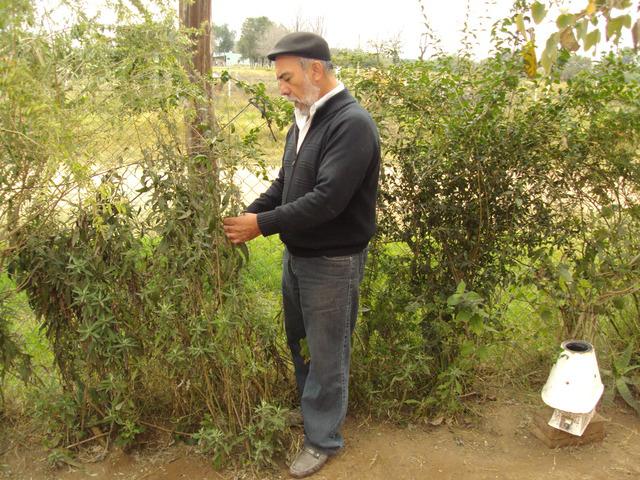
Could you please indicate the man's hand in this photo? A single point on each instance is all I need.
(241, 229)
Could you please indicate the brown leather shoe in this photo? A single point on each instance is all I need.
(307, 462)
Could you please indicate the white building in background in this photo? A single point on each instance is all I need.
(229, 59)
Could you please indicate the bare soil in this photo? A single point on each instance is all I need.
(498, 444)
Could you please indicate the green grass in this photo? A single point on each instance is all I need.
(24, 323)
(24, 326)
(253, 75)
(261, 277)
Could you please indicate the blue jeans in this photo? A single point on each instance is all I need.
(320, 299)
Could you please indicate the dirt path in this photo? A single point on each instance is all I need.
(498, 446)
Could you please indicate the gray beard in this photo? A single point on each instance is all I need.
(311, 96)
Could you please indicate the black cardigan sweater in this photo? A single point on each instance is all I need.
(323, 201)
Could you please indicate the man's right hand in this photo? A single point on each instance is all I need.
(241, 229)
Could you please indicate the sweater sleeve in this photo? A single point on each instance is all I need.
(351, 146)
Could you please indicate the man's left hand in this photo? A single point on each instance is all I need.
(241, 229)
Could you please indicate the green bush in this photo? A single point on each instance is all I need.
(491, 180)
(128, 269)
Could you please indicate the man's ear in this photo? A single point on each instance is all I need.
(317, 70)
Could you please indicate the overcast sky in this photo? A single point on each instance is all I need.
(356, 23)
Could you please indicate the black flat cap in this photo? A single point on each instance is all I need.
(301, 44)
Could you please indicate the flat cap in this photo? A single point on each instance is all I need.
(301, 44)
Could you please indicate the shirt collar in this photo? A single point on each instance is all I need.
(302, 119)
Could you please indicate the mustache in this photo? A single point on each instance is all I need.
(293, 98)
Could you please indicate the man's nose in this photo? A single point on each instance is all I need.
(284, 89)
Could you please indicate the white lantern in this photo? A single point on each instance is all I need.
(573, 387)
(574, 384)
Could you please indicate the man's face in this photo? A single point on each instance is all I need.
(295, 83)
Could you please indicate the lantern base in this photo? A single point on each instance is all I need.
(573, 423)
(554, 438)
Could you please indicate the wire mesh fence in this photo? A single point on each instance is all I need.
(253, 175)
(237, 118)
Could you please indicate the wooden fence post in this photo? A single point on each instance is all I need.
(196, 14)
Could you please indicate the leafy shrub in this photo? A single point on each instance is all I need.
(136, 287)
(489, 180)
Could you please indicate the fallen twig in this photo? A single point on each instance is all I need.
(470, 394)
(165, 429)
(86, 440)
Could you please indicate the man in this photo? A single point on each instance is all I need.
(323, 206)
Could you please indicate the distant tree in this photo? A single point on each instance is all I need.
(309, 24)
(224, 38)
(630, 56)
(274, 33)
(388, 49)
(317, 25)
(253, 30)
(346, 57)
(575, 65)
(384, 52)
